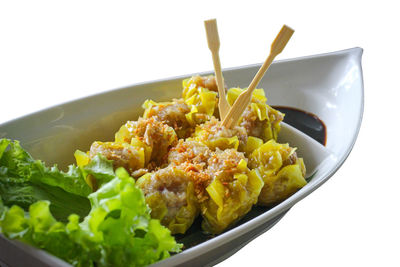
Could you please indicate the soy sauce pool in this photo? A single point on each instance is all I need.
(305, 122)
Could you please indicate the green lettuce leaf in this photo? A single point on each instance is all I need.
(118, 231)
(101, 168)
(25, 194)
(24, 181)
(39, 228)
(17, 163)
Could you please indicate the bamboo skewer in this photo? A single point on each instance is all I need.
(213, 45)
(244, 98)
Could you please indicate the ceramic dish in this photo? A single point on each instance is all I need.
(327, 85)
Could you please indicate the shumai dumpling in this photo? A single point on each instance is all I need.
(199, 93)
(122, 154)
(155, 136)
(281, 170)
(259, 119)
(169, 192)
(171, 113)
(231, 193)
(214, 135)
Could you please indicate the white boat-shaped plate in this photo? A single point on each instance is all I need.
(327, 85)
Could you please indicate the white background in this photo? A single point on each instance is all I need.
(52, 52)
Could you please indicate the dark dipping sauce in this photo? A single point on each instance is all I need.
(305, 122)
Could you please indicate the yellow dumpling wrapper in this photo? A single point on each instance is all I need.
(231, 197)
(81, 158)
(202, 98)
(281, 170)
(213, 143)
(180, 220)
(266, 117)
(252, 144)
(257, 96)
